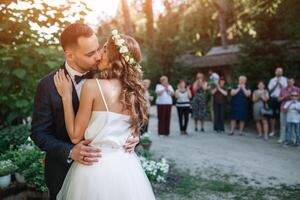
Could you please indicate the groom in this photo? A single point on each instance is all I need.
(81, 50)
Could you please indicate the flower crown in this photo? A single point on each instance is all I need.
(123, 50)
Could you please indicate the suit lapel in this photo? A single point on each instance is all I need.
(75, 98)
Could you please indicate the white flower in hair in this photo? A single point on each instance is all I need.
(114, 32)
(123, 49)
(116, 37)
(120, 42)
(138, 66)
(131, 61)
(126, 58)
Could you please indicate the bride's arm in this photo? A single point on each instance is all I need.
(75, 125)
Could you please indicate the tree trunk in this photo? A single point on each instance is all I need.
(128, 25)
(148, 9)
(222, 8)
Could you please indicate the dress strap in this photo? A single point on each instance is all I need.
(101, 92)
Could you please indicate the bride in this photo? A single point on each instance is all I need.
(112, 108)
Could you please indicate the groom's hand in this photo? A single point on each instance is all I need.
(85, 154)
(131, 142)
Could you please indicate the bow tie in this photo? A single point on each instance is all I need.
(85, 76)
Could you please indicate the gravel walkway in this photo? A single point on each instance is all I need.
(265, 163)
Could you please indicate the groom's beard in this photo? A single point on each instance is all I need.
(86, 69)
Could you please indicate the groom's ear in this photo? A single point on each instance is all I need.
(68, 54)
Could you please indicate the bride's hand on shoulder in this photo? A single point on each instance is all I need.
(63, 84)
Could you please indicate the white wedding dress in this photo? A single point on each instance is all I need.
(118, 175)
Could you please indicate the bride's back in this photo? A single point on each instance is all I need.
(111, 89)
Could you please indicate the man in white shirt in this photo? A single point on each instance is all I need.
(275, 86)
(292, 108)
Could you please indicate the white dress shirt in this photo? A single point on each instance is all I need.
(277, 90)
(72, 72)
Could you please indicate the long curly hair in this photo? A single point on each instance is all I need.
(132, 91)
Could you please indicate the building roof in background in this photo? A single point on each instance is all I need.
(215, 57)
(218, 56)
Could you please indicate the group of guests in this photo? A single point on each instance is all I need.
(279, 100)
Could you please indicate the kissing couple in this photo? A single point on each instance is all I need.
(87, 117)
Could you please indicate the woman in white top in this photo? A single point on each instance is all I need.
(183, 104)
(164, 92)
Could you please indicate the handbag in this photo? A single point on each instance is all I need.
(266, 111)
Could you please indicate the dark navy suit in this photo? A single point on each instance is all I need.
(49, 132)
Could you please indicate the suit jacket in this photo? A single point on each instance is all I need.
(49, 131)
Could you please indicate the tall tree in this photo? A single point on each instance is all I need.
(222, 8)
(148, 9)
(128, 25)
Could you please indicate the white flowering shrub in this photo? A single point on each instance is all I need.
(155, 170)
(145, 138)
(7, 167)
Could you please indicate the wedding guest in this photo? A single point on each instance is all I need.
(213, 81)
(199, 101)
(149, 98)
(183, 105)
(219, 93)
(285, 95)
(199, 75)
(260, 98)
(239, 105)
(213, 77)
(292, 108)
(164, 92)
(275, 86)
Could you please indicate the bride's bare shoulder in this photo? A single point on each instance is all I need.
(90, 85)
(109, 82)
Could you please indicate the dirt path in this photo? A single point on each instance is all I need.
(265, 163)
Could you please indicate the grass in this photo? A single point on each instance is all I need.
(181, 185)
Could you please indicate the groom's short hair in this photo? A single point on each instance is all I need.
(69, 36)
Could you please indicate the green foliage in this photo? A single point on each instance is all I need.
(7, 167)
(34, 173)
(12, 137)
(17, 18)
(21, 70)
(29, 161)
(23, 156)
(145, 139)
(28, 51)
(260, 58)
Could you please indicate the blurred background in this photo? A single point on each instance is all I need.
(178, 39)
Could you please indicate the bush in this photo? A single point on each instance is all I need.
(34, 173)
(29, 161)
(156, 171)
(260, 58)
(22, 157)
(7, 167)
(12, 137)
(21, 70)
(145, 139)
